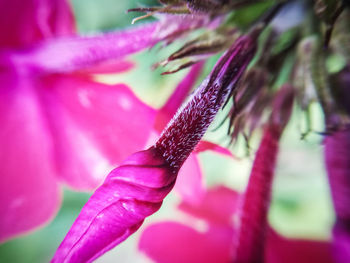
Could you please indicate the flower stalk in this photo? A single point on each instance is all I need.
(250, 241)
(337, 160)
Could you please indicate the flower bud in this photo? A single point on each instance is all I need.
(138, 186)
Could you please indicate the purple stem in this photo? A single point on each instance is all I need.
(188, 126)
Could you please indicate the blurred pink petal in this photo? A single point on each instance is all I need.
(77, 52)
(211, 243)
(206, 145)
(109, 67)
(217, 205)
(100, 121)
(78, 163)
(26, 22)
(170, 242)
(29, 195)
(114, 107)
(190, 183)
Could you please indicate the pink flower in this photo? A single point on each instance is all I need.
(57, 124)
(138, 186)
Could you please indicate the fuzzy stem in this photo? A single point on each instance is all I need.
(249, 246)
(337, 159)
(190, 123)
(250, 242)
(177, 98)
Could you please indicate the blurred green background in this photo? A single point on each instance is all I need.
(301, 204)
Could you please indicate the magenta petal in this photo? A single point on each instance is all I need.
(130, 193)
(29, 195)
(73, 53)
(170, 242)
(26, 22)
(206, 145)
(190, 184)
(79, 164)
(111, 116)
(217, 206)
(109, 67)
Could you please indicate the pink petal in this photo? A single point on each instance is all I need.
(285, 250)
(170, 242)
(73, 53)
(109, 67)
(78, 161)
(190, 184)
(93, 123)
(26, 22)
(29, 195)
(117, 209)
(206, 145)
(217, 206)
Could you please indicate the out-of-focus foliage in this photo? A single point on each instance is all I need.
(105, 15)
